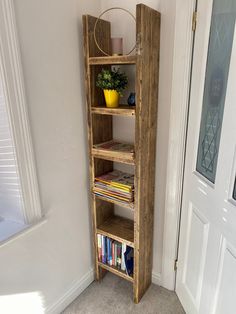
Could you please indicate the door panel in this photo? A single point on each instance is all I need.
(225, 300)
(206, 276)
(195, 254)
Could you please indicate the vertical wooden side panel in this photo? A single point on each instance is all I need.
(99, 127)
(147, 74)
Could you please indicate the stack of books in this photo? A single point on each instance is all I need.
(116, 254)
(115, 185)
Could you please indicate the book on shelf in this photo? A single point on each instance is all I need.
(103, 249)
(116, 185)
(116, 254)
(117, 178)
(129, 260)
(114, 145)
(123, 257)
(99, 239)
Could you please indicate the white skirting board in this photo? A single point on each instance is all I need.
(70, 295)
(156, 279)
(78, 287)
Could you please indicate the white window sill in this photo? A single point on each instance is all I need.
(9, 228)
(10, 231)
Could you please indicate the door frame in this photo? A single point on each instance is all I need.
(181, 79)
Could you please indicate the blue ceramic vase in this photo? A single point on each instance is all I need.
(131, 99)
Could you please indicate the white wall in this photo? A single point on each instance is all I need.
(53, 257)
(122, 26)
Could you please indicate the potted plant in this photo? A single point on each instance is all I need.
(112, 82)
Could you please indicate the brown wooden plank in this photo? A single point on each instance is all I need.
(122, 157)
(103, 35)
(119, 229)
(122, 110)
(112, 60)
(115, 271)
(126, 205)
(147, 72)
(99, 127)
(104, 210)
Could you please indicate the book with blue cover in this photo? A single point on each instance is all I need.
(104, 249)
(108, 251)
(129, 260)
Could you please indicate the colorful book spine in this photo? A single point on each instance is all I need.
(119, 248)
(104, 249)
(123, 257)
(113, 253)
(115, 257)
(99, 237)
(110, 260)
(108, 250)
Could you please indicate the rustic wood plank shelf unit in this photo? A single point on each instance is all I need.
(137, 233)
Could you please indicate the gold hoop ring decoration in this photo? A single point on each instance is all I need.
(95, 26)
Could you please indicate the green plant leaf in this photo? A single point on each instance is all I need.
(112, 79)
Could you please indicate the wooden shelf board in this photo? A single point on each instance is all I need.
(126, 205)
(112, 60)
(119, 229)
(122, 110)
(118, 156)
(117, 272)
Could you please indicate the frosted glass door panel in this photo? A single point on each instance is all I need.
(217, 69)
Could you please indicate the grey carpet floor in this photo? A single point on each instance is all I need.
(114, 295)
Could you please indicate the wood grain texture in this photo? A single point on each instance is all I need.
(122, 110)
(104, 210)
(117, 272)
(119, 229)
(99, 127)
(147, 74)
(126, 205)
(112, 60)
(123, 157)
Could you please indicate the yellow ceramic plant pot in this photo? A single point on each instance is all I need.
(111, 98)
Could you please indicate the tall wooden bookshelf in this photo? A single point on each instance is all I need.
(137, 233)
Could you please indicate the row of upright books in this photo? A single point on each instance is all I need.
(116, 254)
(115, 185)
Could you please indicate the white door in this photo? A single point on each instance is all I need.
(206, 276)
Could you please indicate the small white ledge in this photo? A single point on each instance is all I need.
(9, 228)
